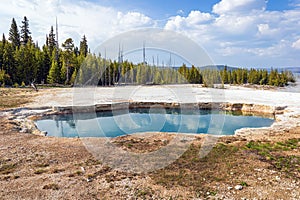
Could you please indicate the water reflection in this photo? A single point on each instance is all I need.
(122, 122)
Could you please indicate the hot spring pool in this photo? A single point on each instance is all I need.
(123, 122)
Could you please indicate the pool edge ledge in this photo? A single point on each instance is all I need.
(227, 106)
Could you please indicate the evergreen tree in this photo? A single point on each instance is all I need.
(194, 76)
(54, 73)
(68, 45)
(44, 61)
(4, 78)
(9, 63)
(224, 76)
(51, 40)
(3, 39)
(2, 44)
(183, 70)
(25, 33)
(47, 41)
(157, 76)
(14, 35)
(26, 63)
(264, 78)
(83, 46)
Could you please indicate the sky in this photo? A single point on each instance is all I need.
(243, 33)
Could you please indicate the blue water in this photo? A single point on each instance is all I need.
(117, 123)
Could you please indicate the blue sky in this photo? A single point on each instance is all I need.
(159, 9)
(246, 33)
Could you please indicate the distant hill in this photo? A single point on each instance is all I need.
(295, 70)
(221, 67)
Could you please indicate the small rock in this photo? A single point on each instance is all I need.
(82, 169)
(24, 130)
(186, 139)
(89, 180)
(44, 133)
(277, 178)
(53, 161)
(238, 187)
(260, 179)
(229, 188)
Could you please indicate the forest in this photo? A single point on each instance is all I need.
(23, 61)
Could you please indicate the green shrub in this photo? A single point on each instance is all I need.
(23, 84)
(16, 85)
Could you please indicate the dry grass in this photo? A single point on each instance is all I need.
(15, 97)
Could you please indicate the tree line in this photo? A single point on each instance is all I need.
(237, 76)
(98, 71)
(22, 61)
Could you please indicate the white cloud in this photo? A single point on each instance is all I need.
(195, 18)
(238, 6)
(133, 20)
(194, 25)
(296, 44)
(265, 30)
(235, 24)
(175, 23)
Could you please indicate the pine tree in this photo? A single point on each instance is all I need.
(68, 45)
(4, 78)
(44, 64)
(14, 35)
(224, 76)
(264, 78)
(26, 63)
(9, 64)
(3, 39)
(25, 33)
(83, 46)
(194, 75)
(2, 44)
(51, 40)
(183, 70)
(54, 73)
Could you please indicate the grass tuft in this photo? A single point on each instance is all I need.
(7, 168)
(51, 186)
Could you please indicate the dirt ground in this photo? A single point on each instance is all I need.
(258, 166)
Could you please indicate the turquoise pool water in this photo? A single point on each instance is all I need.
(123, 122)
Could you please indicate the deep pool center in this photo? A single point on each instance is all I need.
(151, 118)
